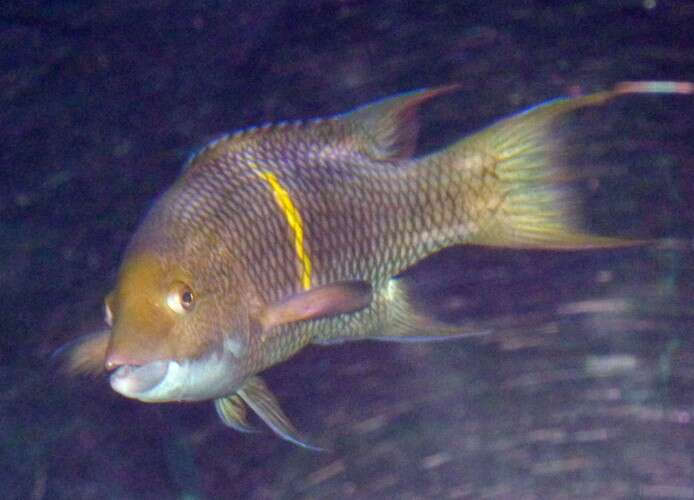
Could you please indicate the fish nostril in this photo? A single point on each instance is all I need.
(114, 361)
(111, 365)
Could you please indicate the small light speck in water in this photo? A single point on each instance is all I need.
(597, 306)
(592, 435)
(553, 467)
(326, 473)
(436, 460)
(650, 4)
(604, 276)
(610, 365)
(667, 491)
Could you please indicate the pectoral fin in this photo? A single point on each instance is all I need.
(85, 355)
(233, 412)
(319, 302)
(256, 394)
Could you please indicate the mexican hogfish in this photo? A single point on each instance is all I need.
(286, 235)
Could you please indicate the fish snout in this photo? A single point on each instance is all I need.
(126, 348)
(115, 360)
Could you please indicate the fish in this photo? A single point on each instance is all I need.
(286, 235)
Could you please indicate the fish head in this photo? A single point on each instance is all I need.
(167, 342)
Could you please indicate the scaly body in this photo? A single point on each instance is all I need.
(280, 236)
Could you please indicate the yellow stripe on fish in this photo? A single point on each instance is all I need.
(296, 224)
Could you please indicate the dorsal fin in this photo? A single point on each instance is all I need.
(238, 140)
(383, 130)
(388, 129)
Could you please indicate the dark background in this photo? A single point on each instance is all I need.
(585, 388)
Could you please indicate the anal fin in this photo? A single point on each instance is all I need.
(406, 320)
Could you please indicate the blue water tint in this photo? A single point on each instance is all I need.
(584, 388)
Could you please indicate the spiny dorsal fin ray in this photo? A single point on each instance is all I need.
(243, 139)
(233, 412)
(534, 207)
(383, 130)
(388, 129)
(257, 395)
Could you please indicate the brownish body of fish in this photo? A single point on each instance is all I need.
(286, 235)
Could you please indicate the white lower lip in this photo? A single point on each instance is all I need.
(208, 377)
(132, 381)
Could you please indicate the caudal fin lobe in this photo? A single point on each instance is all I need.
(530, 204)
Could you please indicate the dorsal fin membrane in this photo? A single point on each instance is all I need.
(384, 130)
(388, 129)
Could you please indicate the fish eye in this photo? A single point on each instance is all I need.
(181, 298)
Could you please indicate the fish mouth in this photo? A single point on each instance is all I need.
(161, 381)
(135, 381)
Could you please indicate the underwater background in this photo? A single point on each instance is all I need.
(583, 389)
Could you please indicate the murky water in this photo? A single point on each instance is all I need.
(583, 385)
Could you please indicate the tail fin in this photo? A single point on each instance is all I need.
(531, 206)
